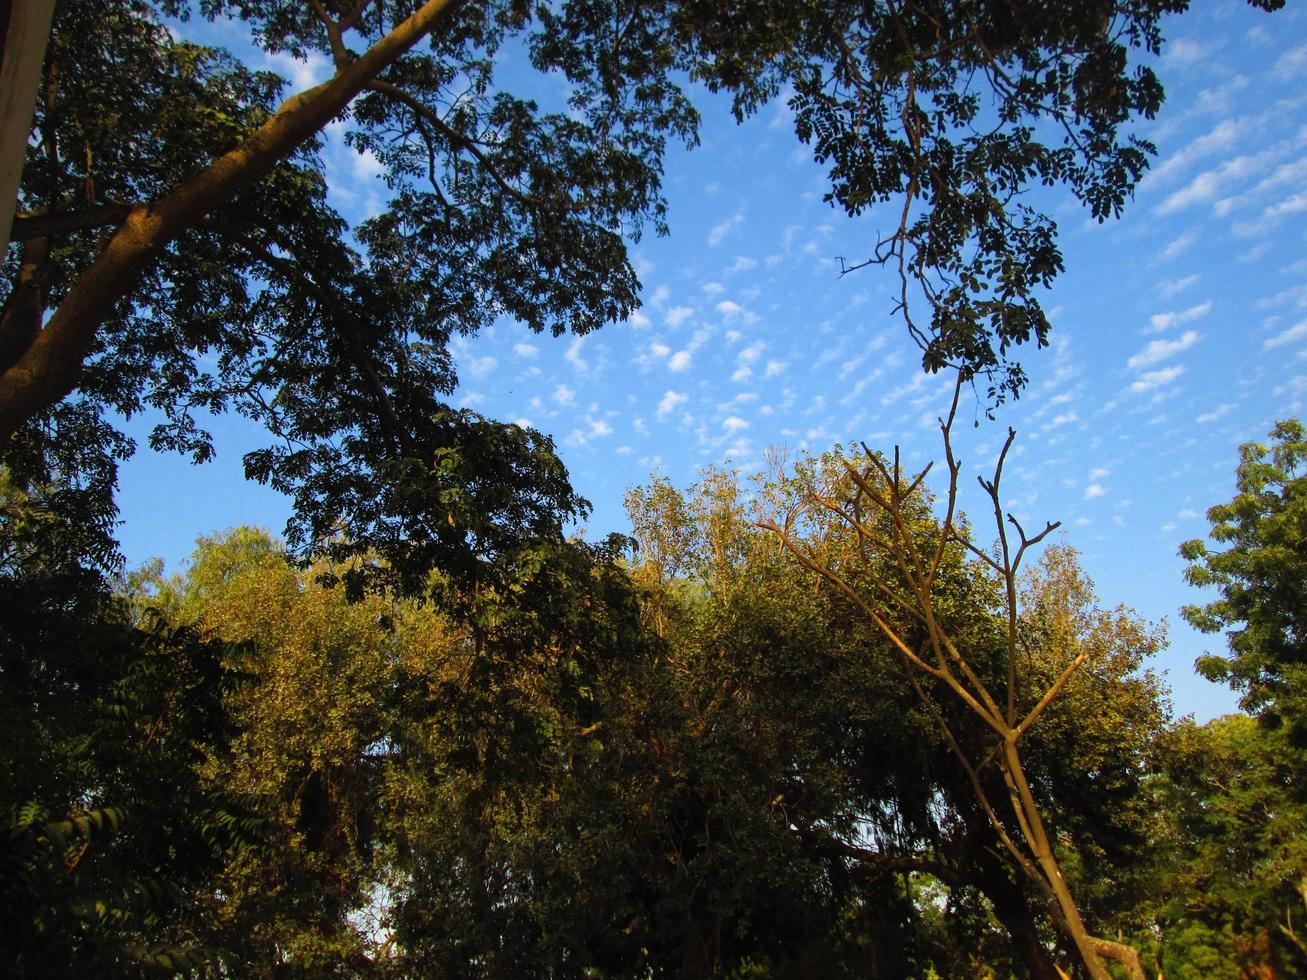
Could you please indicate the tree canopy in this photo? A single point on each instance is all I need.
(177, 249)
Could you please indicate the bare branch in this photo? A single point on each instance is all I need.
(1049, 695)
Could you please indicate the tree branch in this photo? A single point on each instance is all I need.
(29, 226)
(457, 139)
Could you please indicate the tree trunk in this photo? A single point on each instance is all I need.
(1032, 826)
(1011, 907)
(24, 31)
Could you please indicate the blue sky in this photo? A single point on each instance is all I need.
(1179, 332)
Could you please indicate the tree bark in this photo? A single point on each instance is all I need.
(50, 367)
(1032, 825)
(24, 31)
(1013, 911)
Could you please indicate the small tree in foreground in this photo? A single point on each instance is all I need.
(892, 578)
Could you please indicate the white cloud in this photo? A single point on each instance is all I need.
(1296, 332)
(919, 380)
(1156, 379)
(479, 367)
(678, 315)
(1170, 287)
(1174, 247)
(599, 428)
(751, 353)
(742, 264)
(679, 361)
(1160, 350)
(670, 401)
(1218, 412)
(564, 395)
(1165, 321)
(573, 355)
(1094, 490)
(733, 423)
(1297, 295)
(1293, 174)
(1292, 65)
(1226, 133)
(1184, 52)
(660, 296)
(1271, 215)
(302, 73)
(639, 320)
(1098, 472)
(1209, 183)
(1294, 204)
(1219, 99)
(367, 166)
(773, 369)
(724, 228)
(728, 308)
(525, 350)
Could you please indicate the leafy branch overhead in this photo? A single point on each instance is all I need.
(176, 247)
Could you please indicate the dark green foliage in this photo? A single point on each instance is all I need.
(335, 338)
(1262, 580)
(108, 828)
(1232, 902)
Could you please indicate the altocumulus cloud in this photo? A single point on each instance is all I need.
(1296, 332)
(1165, 321)
(1160, 350)
(1156, 379)
(669, 402)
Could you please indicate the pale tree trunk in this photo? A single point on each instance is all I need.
(24, 31)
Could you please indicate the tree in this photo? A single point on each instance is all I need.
(317, 699)
(1232, 894)
(110, 835)
(172, 210)
(1262, 580)
(896, 578)
(434, 786)
(793, 691)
